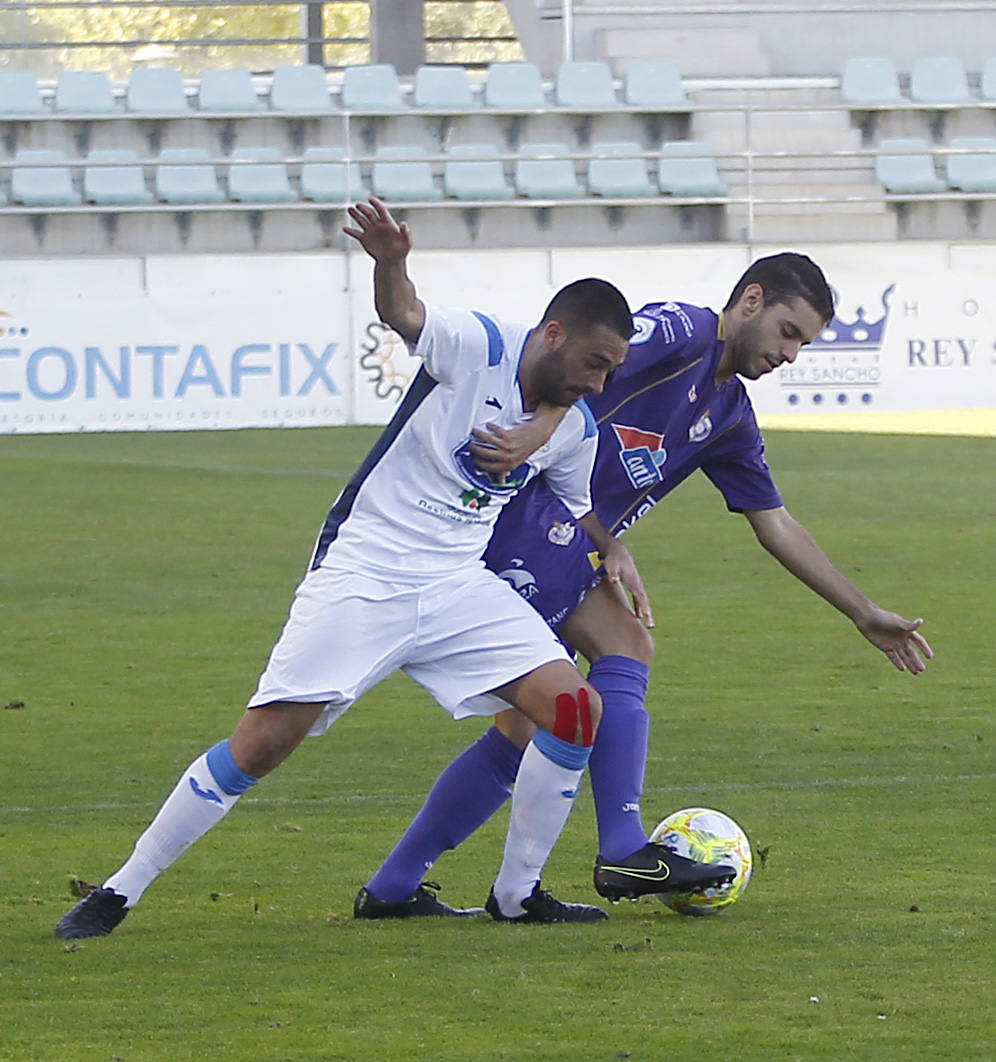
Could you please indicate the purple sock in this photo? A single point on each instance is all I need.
(471, 789)
(619, 757)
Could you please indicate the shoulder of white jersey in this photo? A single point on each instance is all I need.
(590, 424)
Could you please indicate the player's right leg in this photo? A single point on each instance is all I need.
(207, 790)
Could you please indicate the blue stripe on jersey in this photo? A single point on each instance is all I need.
(590, 424)
(415, 396)
(496, 345)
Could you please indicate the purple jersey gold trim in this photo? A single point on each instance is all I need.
(660, 418)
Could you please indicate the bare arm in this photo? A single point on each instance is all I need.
(619, 566)
(499, 450)
(791, 544)
(388, 244)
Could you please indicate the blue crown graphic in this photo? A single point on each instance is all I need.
(859, 334)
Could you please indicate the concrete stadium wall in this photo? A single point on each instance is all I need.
(207, 341)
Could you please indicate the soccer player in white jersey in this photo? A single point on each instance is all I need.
(676, 406)
(397, 582)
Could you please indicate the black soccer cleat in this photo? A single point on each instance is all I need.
(94, 916)
(654, 868)
(544, 909)
(422, 903)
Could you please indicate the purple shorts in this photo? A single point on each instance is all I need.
(540, 549)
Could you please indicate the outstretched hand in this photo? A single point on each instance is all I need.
(383, 238)
(900, 639)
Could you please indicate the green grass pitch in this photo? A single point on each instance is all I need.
(143, 579)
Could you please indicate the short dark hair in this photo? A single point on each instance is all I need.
(588, 303)
(787, 276)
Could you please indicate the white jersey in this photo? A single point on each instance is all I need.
(418, 508)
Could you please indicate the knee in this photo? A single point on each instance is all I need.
(577, 714)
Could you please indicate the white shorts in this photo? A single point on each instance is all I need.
(458, 637)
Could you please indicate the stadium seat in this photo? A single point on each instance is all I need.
(541, 172)
(655, 83)
(987, 82)
(444, 88)
(227, 90)
(621, 176)
(972, 173)
(904, 166)
(259, 175)
(327, 178)
(34, 181)
(107, 184)
(19, 93)
(156, 90)
(300, 89)
(870, 80)
(470, 174)
(3, 198)
(585, 83)
(371, 88)
(84, 92)
(402, 174)
(184, 175)
(939, 79)
(514, 87)
(688, 168)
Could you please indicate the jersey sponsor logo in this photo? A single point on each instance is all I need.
(643, 329)
(701, 429)
(521, 580)
(679, 311)
(642, 455)
(483, 481)
(561, 533)
(475, 499)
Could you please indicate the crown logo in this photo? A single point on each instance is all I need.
(859, 334)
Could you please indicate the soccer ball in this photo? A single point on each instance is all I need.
(709, 837)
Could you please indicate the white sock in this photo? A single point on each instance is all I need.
(541, 802)
(196, 804)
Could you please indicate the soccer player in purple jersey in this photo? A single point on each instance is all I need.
(675, 406)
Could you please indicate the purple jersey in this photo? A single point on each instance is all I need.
(660, 417)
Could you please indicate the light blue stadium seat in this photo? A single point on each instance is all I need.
(184, 175)
(655, 83)
(106, 184)
(3, 197)
(259, 175)
(870, 80)
(469, 173)
(42, 185)
(84, 92)
(327, 178)
(585, 83)
(939, 79)
(227, 90)
(300, 89)
(972, 173)
(688, 168)
(514, 87)
(623, 175)
(156, 90)
(371, 88)
(541, 172)
(987, 82)
(904, 166)
(402, 174)
(444, 88)
(19, 93)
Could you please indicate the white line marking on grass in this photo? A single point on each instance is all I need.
(718, 787)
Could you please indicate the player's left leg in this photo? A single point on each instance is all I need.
(566, 711)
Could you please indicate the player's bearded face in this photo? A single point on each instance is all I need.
(772, 337)
(554, 382)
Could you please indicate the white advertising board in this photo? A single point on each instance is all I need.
(228, 342)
